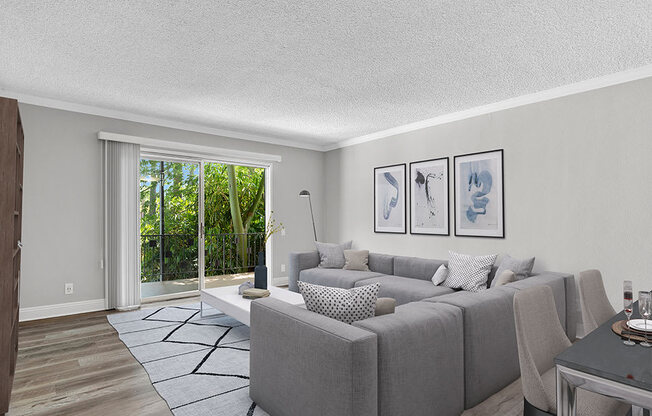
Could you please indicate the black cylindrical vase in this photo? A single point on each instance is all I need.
(260, 272)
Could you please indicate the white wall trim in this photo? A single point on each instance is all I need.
(61, 309)
(570, 89)
(155, 121)
(280, 281)
(558, 92)
(149, 145)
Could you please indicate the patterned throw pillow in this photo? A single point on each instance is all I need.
(331, 256)
(440, 275)
(346, 305)
(468, 272)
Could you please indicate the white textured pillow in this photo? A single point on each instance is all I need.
(331, 256)
(346, 305)
(468, 272)
(440, 275)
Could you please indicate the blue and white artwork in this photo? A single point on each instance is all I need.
(389, 201)
(479, 195)
(429, 197)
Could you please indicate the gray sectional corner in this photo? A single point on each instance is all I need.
(303, 363)
(420, 360)
(441, 352)
(297, 262)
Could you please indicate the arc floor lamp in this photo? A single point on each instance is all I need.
(306, 194)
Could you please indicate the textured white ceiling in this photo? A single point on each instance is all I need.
(312, 71)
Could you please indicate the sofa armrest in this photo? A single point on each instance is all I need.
(420, 360)
(305, 363)
(300, 261)
(490, 353)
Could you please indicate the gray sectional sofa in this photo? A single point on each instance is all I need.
(441, 352)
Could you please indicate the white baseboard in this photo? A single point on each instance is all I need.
(280, 281)
(61, 309)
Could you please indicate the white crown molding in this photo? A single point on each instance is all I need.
(138, 118)
(546, 95)
(61, 309)
(558, 92)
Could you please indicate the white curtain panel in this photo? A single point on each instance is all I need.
(122, 176)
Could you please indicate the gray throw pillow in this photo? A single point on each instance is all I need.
(346, 305)
(521, 268)
(331, 256)
(505, 277)
(468, 272)
(356, 260)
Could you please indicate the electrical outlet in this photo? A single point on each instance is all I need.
(101, 262)
(282, 267)
(69, 288)
(283, 232)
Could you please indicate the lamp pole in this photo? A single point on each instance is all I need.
(306, 194)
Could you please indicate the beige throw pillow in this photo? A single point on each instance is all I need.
(356, 260)
(505, 277)
(385, 306)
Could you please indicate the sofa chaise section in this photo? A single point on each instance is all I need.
(305, 364)
(420, 360)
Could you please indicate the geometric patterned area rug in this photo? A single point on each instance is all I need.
(199, 366)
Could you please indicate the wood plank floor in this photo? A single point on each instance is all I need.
(77, 365)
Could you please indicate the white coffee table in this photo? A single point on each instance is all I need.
(228, 301)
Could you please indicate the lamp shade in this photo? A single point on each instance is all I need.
(304, 194)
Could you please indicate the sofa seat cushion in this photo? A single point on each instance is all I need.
(405, 289)
(335, 277)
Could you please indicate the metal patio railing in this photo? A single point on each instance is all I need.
(166, 257)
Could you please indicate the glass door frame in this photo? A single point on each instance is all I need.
(201, 243)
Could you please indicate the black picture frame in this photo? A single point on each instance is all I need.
(499, 232)
(391, 230)
(447, 203)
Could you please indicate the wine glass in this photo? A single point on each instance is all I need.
(645, 309)
(628, 300)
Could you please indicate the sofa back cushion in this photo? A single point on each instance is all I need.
(381, 263)
(416, 267)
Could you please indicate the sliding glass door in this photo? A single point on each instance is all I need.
(169, 227)
(234, 215)
(202, 225)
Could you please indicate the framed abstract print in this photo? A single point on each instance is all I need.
(479, 195)
(429, 203)
(390, 212)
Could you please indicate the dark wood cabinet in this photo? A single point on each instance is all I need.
(11, 212)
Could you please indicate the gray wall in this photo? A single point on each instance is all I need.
(577, 175)
(63, 223)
